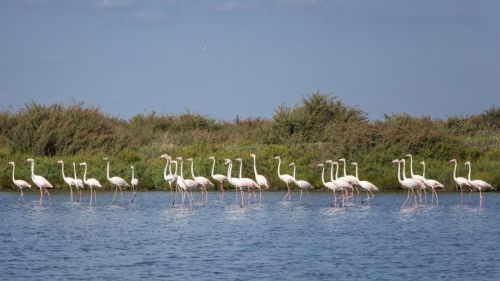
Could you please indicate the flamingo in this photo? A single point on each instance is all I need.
(236, 182)
(218, 177)
(352, 180)
(340, 182)
(409, 183)
(260, 179)
(478, 184)
(302, 184)
(68, 180)
(116, 181)
(134, 183)
(170, 178)
(39, 181)
(287, 179)
(19, 183)
(461, 181)
(366, 185)
(330, 185)
(186, 185)
(432, 184)
(92, 183)
(79, 183)
(202, 181)
(249, 183)
(419, 178)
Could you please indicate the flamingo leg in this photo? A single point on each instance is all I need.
(480, 198)
(300, 198)
(425, 195)
(121, 192)
(470, 195)
(95, 196)
(90, 204)
(41, 197)
(116, 190)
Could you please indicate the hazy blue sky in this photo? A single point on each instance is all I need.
(224, 58)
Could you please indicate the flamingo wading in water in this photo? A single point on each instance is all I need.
(218, 177)
(116, 181)
(40, 181)
(91, 182)
(302, 184)
(134, 183)
(478, 184)
(461, 182)
(68, 180)
(287, 179)
(432, 184)
(79, 183)
(19, 183)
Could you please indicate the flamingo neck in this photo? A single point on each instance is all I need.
(255, 167)
(165, 170)
(331, 173)
(399, 172)
(62, 169)
(337, 172)
(279, 167)
(133, 173)
(175, 172)
(241, 169)
(32, 170)
(455, 171)
(229, 170)
(213, 168)
(107, 170)
(13, 171)
(411, 166)
(357, 171)
(404, 169)
(85, 174)
(294, 172)
(182, 174)
(192, 169)
(468, 177)
(345, 174)
(423, 170)
(323, 175)
(74, 170)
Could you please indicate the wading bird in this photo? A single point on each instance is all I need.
(432, 184)
(68, 180)
(365, 185)
(352, 180)
(19, 183)
(134, 183)
(342, 184)
(287, 179)
(249, 183)
(218, 177)
(202, 182)
(236, 182)
(79, 184)
(330, 185)
(408, 183)
(478, 184)
(116, 181)
(461, 182)
(260, 179)
(302, 184)
(419, 178)
(40, 181)
(92, 183)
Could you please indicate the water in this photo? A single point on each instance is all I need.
(275, 241)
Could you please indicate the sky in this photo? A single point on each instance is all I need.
(228, 58)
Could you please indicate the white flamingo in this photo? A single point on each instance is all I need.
(365, 185)
(236, 182)
(286, 178)
(202, 181)
(40, 181)
(302, 184)
(169, 178)
(19, 183)
(408, 183)
(218, 177)
(260, 179)
(68, 180)
(478, 184)
(461, 182)
(330, 185)
(79, 183)
(249, 183)
(340, 182)
(186, 185)
(419, 178)
(92, 183)
(116, 181)
(134, 183)
(352, 180)
(432, 184)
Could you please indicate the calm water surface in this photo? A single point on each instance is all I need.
(275, 241)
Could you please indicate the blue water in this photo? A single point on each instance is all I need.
(275, 241)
